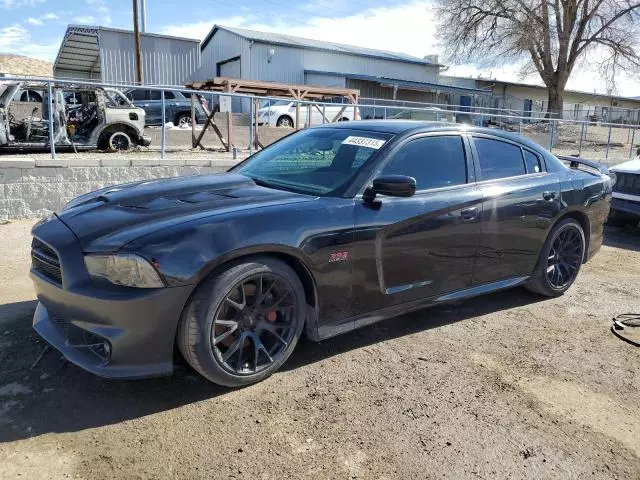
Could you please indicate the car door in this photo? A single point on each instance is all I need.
(408, 249)
(154, 108)
(141, 98)
(520, 202)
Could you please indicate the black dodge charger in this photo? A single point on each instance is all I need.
(327, 230)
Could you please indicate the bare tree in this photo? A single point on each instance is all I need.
(552, 35)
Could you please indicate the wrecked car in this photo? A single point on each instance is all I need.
(97, 117)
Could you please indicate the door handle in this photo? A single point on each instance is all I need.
(469, 214)
(549, 195)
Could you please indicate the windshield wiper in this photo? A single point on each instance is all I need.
(285, 186)
(263, 183)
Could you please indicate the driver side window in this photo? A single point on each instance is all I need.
(434, 162)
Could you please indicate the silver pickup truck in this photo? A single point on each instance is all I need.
(83, 117)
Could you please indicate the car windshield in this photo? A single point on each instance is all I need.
(315, 161)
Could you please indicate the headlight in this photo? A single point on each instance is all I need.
(273, 113)
(125, 269)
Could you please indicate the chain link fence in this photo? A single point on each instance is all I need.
(175, 118)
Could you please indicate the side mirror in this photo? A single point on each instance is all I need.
(392, 186)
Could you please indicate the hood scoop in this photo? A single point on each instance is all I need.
(162, 203)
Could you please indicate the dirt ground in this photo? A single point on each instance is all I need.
(504, 386)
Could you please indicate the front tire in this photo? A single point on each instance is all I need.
(243, 323)
(560, 259)
(115, 141)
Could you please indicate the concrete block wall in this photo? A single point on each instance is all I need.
(28, 190)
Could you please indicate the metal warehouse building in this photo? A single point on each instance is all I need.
(252, 55)
(107, 55)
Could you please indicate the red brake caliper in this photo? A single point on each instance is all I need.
(271, 316)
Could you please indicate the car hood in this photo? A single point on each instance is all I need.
(632, 166)
(107, 219)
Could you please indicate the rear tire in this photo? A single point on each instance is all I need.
(183, 120)
(560, 259)
(243, 323)
(285, 121)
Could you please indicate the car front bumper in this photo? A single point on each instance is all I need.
(627, 206)
(111, 332)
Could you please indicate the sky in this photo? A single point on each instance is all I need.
(35, 28)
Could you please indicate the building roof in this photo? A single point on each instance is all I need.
(542, 87)
(309, 44)
(80, 49)
(407, 84)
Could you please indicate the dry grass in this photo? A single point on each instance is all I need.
(21, 65)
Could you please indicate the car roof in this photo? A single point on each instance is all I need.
(403, 127)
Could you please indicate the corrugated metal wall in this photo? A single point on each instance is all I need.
(167, 61)
(375, 90)
(223, 46)
(288, 64)
(321, 80)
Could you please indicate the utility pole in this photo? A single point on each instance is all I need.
(136, 37)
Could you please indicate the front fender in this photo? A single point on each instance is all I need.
(122, 124)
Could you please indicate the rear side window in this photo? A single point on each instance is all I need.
(433, 161)
(499, 159)
(138, 94)
(168, 95)
(532, 161)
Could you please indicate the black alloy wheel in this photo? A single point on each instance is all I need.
(560, 259)
(119, 142)
(565, 257)
(254, 324)
(243, 321)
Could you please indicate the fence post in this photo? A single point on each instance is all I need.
(606, 155)
(581, 138)
(385, 112)
(551, 128)
(633, 137)
(51, 126)
(520, 127)
(324, 114)
(251, 126)
(164, 127)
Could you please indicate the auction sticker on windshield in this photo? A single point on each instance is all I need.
(374, 143)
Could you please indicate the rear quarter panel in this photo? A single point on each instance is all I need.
(590, 195)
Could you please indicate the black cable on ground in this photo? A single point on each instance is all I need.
(624, 322)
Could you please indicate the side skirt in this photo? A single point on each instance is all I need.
(352, 323)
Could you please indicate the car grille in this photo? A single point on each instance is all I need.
(59, 321)
(45, 261)
(627, 183)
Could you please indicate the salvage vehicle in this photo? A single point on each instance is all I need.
(625, 205)
(326, 230)
(282, 113)
(97, 117)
